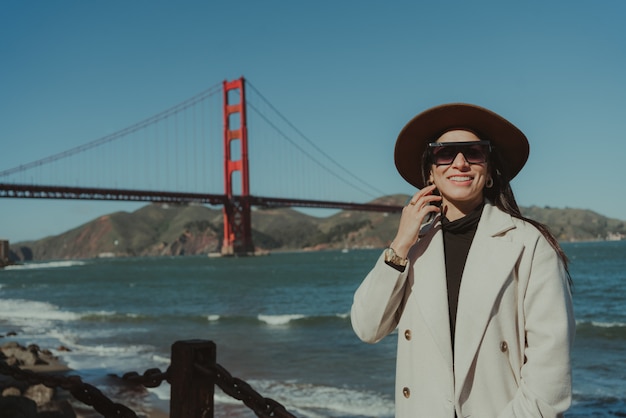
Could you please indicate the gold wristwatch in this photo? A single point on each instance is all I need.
(392, 258)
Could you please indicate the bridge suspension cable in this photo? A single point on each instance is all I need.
(176, 150)
(310, 142)
(119, 134)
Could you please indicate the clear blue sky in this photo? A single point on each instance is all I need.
(349, 74)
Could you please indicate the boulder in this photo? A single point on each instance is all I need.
(17, 407)
(40, 393)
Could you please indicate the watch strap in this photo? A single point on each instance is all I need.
(394, 260)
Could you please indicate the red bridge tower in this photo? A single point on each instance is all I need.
(237, 217)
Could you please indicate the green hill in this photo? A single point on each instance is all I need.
(577, 224)
(156, 230)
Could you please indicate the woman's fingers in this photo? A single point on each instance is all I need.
(424, 197)
(413, 215)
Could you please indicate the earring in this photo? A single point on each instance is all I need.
(489, 183)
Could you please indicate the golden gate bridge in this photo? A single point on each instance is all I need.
(178, 150)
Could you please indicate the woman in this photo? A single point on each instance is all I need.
(480, 295)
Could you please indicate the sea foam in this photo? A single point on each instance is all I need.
(29, 311)
(279, 319)
(45, 265)
(320, 401)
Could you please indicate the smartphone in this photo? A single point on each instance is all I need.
(437, 203)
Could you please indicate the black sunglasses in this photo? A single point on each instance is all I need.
(474, 152)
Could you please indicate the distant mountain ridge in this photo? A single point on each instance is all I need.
(171, 230)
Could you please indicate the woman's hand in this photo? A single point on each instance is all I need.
(412, 218)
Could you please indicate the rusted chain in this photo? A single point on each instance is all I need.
(240, 390)
(84, 392)
(151, 378)
(232, 386)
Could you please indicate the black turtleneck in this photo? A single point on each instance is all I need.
(457, 239)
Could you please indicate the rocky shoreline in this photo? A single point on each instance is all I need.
(30, 399)
(23, 398)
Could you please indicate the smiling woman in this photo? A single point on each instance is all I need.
(460, 171)
(480, 294)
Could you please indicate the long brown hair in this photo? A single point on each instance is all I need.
(501, 195)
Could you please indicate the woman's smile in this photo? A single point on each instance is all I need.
(460, 182)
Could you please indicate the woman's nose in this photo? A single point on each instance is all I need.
(460, 161)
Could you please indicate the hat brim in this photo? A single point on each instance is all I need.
(510, 143)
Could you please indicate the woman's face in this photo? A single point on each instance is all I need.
(460, 183)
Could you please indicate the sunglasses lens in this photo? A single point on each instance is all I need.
(444, 155)
(473, 153)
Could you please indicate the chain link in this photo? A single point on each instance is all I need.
(84, 392)
(90, 395)
(240, 390)
(151, 378)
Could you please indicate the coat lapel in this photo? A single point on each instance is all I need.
(430, 289)
(487, 270)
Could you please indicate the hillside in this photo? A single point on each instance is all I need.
(158, 230)
(577, 224)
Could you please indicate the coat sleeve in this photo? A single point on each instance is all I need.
(548, 322)
(378, 302)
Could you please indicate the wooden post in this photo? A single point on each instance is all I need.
(192, 392)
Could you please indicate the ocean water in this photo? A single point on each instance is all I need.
(281, 322)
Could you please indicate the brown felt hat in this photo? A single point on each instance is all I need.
(510, 143)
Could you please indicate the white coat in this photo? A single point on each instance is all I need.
(514, 326)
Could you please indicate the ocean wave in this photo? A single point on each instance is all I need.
(94, 358)
(161, 359)
(23, 312)
(308, 400)
(322, 401)
(279, 319)
(265, 319)
(600, 324)
(29, 312)
(597, 404)
(300, 319)
(112, 316)
(599, 329)
(46, 265)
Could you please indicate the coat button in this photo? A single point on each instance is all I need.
(504, 346)
(407, 334)
(406, 392)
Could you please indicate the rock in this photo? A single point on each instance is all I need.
(21, 356)
(57, 409)
(10, 344)
(12, 361)
(17, 407)
(11, 391)
(40, 393)
(17, 355)
(24, 398)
